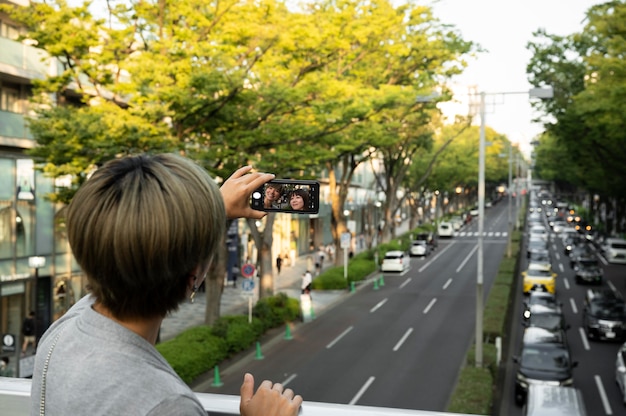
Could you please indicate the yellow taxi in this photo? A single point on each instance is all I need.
(539, 277)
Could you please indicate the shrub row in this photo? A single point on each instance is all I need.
(199, 349)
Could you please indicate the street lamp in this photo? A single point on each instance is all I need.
(543, 93)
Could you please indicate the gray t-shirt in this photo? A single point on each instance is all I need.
(98, 367)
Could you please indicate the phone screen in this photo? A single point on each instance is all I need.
(287, 195)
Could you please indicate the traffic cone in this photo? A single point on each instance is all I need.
(216, 378)
(312, 312)
(259, 355)
(288, 332)
(382, 280)
(352, 287)
(375, 284)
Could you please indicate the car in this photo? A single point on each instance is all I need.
(558, 224)
(580, 251)
(538, 278)
(457, 222)
(540, 256)
(588, 270)
(535, 245)
(614, 250)
(474, 212)
(445, 229)
(571, 241)
(544, 359)
(546, 400)
(604, 314)
(545, 299)
(541, 316)
(430, 237)
(535, 218)
(419, 248)
(620, 371)
(538, 232)
(395, 261)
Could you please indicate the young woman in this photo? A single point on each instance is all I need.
(146, 231)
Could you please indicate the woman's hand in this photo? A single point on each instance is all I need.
(269, 399)
(236, 192)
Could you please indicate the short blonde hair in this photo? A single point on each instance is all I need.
(138, 228)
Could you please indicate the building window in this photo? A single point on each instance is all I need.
(10, 99)
(9, 31)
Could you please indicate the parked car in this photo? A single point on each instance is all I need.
(395, 261)
(546, 400)
(614, 250)
(604, 314)
(445, 229)
(545, 299)
(588, 270)
(419, 248)
(544, 359)
(538, 278)
(535, 245)
(620, 371)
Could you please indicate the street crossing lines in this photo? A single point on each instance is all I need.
(493, 234)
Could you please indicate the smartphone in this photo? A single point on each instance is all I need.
(287, 195)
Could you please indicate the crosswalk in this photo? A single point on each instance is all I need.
(488, 234)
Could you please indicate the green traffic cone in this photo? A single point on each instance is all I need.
(216, 378)
(375, 284)
(312, 312)
(259, 355)
(382, 280)
(352, 287)
(288, 332)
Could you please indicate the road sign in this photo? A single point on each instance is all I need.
(345, 240)
(247, 270)
(247, 285)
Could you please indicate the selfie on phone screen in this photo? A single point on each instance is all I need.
(292, 196)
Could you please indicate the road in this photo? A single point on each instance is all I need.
(396, 345)
(595, 374)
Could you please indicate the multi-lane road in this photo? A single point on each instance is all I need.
(401, 344)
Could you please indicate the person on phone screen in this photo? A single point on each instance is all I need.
(299, 200)
(273, 196)
(146, 231)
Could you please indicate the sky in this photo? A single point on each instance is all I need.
(503, 28)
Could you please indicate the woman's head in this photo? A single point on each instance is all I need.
(273, 192)
(299, 199)
(140, 226)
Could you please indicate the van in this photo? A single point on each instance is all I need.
(545, 400)
(614, 250)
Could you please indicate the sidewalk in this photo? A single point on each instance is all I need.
(234, 302)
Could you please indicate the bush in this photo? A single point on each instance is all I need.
(276, 310)
(237, 332)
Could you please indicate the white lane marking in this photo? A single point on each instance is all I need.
(605, 399)
(406, 282)
(466, 259)
(612, 286)
(430, 305)
(573, 303)
(289, 379)
(381, 303)
(435, 258)
(561, 268)
(583, 337)
(554, 247)
(404, 337)
(362, 391)
(566, 283)
(557, 256)
(604, 261)
(447, 284)
(336, 340)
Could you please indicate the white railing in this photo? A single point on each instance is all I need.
(15, 401)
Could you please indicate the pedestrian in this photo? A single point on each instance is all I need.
(5, 370)
(307, 280)
(279, 263)
(235, 274)
(146, 230)
(28, 331)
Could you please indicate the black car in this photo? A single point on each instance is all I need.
(578, 252)
(545, 299)
(541, 316)
(570, 242)
(588, 270)
(544, 359)
(604, 315)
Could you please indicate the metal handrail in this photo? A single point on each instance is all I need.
(15, 401)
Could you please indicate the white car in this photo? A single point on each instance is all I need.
(457, 222)
(614, 250)
(538, 231)
(445, 229)
(620, 371)
(395, 261)
(419, 248)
